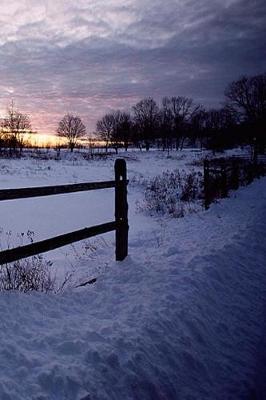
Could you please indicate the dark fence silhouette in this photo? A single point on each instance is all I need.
(120, 225)
(224, 174)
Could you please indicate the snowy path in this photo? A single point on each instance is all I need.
(182, 318)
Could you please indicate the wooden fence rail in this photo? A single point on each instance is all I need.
(222, 175)
(22, 193)
(120, 225)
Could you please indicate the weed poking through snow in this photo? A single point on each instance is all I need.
(30, 274)
(172, 193)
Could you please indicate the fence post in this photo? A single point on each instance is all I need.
(250, 172)
(256, 173)
(121, 210)
(224, 178)
(206, 184)
(235, 174)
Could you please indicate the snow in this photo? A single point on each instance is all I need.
(183, 317)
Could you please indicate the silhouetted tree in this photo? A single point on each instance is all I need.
(166, 125)
(105, 128)
(220, 125)
(247, 96)
(14, 126)
(72, 128)
(181, 109)
(122, 128)
(197, 124)
(146, 118)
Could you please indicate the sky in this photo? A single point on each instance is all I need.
(91, 57)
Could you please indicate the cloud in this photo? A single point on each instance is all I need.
(90, 57)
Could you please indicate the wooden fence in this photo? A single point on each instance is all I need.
(120, 225)
(224, 174)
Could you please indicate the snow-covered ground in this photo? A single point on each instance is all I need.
(181, 318)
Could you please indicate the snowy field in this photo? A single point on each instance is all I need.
(181, 318)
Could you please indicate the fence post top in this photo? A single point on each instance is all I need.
(120, 167)
(120, 162)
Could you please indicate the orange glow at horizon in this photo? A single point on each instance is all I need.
(46, 139)
(43, 139)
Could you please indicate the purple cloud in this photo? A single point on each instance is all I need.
(88, 58)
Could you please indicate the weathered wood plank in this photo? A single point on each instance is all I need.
(21, 193)
(10, 255)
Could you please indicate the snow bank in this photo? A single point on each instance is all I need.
(181, 318)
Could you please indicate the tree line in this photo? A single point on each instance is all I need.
(177, 120)
(172, 123)
(15, 125)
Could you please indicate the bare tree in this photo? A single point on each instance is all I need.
(166, 125)
(105, 127)
(146, 118)
(122, 128)
(115, 129)
(180, 109)
(198, 125)
(72, 128)
(220, 126)
(14, 126)
(247, 96)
